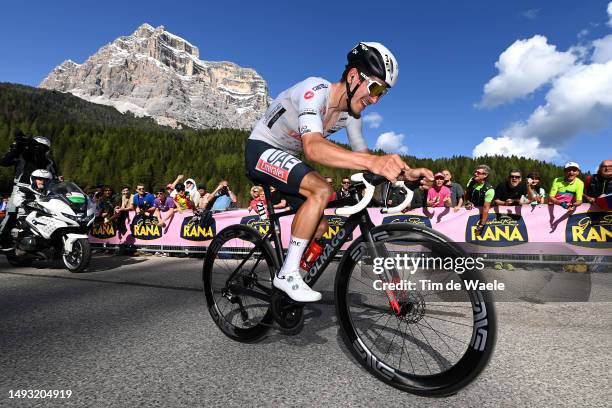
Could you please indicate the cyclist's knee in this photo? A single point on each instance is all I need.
(315, 187)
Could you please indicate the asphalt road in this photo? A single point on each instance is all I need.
(135, 332)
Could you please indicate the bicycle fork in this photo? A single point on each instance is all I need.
(387, 275)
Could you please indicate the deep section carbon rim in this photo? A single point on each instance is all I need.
(441, 340)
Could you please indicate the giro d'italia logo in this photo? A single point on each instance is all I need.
(335, 224)
(500, 230)
(407, 218)
(191, 230)
(592, 229)
(103, 230)
(255, 222)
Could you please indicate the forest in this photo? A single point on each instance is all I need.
(96, 144)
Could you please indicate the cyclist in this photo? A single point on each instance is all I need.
(300, 119)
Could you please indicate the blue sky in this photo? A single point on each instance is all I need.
(447, 53)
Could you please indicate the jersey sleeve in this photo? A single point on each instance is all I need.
(355, 135)
(310, 98)
(489, 195)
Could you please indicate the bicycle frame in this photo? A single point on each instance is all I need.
(360, 219)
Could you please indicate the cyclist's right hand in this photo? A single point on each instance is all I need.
(389, 166)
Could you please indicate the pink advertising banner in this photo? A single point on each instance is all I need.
(516, 229)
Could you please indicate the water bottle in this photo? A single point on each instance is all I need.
(311, 255)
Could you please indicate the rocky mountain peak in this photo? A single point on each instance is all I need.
(156, 73)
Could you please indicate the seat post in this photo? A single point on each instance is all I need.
(274, 224)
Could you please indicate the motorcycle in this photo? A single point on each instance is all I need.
(53, 225)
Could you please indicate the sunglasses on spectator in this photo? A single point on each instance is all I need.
(479, 173)
(515, 177)
(572, 169)
(375, 88)
(605, 167)
(346, 182)
(140, 189)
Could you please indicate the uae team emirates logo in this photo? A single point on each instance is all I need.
(277, 164)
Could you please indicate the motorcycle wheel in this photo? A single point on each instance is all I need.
(16, 261)
(78, 259)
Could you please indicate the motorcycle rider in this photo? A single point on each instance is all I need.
(39, 182)
(26, 154)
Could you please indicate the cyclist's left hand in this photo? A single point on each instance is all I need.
(416, 173)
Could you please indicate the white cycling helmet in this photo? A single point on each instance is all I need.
(42, 140)
(41, 174)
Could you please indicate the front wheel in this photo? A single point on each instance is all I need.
(78, 259)
(430, 339)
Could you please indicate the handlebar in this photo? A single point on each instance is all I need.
(370, 181)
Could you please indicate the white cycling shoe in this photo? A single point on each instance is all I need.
(295, 287)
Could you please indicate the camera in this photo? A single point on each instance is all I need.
(224, 190)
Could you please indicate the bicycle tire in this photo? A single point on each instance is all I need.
(229, 249)
(452, 376)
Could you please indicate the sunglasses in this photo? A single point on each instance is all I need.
(346, 182)
(515, 177)
(480, 173)
(375, 88)
(140, 189)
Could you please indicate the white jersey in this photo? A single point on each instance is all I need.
(301, 109)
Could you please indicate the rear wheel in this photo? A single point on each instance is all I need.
(436, 340)
(238, 270)
(18, 262)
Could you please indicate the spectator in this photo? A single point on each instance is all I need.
(204, 197)
(259, 196)
(182, 200)
(419, 198)
(330, 181)
(170, 186)
(143, 200)
(123, 205)
(344, 190)
(163, 204)
(222, 197)
(567, 191)
(479, 193)
(439, 195)
(539, 194)
(598, 188)
(105, 204)
(192, 190)
(456, 190)
(278, 202)
(510, 191)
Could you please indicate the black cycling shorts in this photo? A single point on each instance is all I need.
(271, 166)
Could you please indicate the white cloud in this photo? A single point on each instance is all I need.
(610, 14)
(373, 119)
(603, 49)
(505, 146)
(580, 100)
(391, 142)
(531, 14)
(524, 67)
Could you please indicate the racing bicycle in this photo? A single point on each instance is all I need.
(428, 339)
